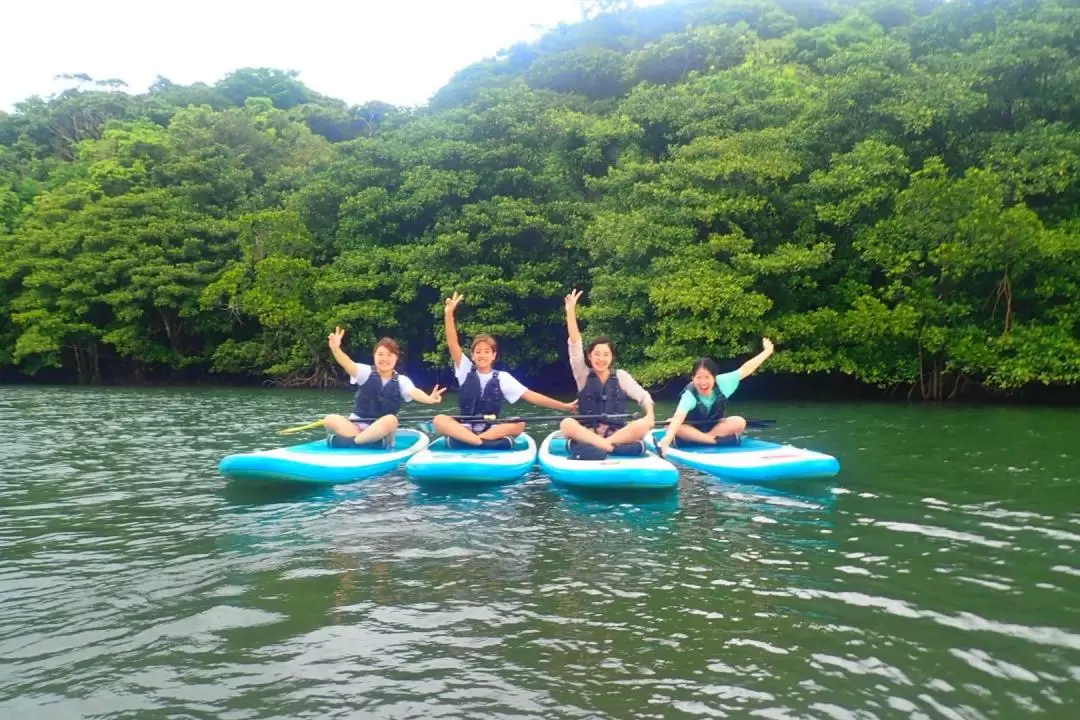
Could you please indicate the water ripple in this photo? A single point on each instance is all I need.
(135, 583)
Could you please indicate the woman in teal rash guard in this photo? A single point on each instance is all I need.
(700, 415)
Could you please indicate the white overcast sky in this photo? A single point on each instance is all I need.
(398, 51)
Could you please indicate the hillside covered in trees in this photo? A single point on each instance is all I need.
(890, 189)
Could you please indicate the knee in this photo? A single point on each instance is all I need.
(391, 421)
(517, 428)
(738, 422)
(568, 425)
(333, 418)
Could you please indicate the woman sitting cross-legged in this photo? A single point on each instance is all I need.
(602, 391)
(700, 417)
(483, 390)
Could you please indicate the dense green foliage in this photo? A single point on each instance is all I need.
(888, 189)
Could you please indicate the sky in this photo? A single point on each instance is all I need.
(397, 51)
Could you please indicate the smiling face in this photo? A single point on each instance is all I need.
(483, 355)
(600, 357)
(704, 381)
(385, 360)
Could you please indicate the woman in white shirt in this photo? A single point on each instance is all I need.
(380, 392)
(483, 390)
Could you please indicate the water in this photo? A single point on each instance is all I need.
(935, 577)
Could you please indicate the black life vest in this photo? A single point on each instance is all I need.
(701, 418)
(373, 399)
(473, 401)
(607, 398)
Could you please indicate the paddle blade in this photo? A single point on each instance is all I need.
(300, 428)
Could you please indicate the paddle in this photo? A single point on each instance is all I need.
(759, 423)
(749, 423)
(538, 418)
(300, 428)
(492, 419)
(320, 423)
(429, 427)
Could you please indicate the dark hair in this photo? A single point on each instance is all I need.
(602, 340)
(389, 344)
(706, 363)
(485, 338)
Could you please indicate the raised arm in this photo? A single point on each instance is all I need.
(578, 367)
(432, 398)
(451, 328)
(750, 366)
(346, 362)
(571, 316)
(535, 398)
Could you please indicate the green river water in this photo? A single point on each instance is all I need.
(937, 576)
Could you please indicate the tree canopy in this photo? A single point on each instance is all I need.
(888, 189)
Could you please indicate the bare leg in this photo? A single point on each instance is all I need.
(692, 434)
(631, 432)
(573, 430)
(501, 430)
(383, 427)
(448, 426)
(733, 425)
(341, 425)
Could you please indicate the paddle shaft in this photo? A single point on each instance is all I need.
(749, 423)
(492, 419)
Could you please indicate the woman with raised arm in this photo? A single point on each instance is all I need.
(603, 391)
(700, 415)
(483, 390)
(379, 394)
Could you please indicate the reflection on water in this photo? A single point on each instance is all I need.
(934, 577)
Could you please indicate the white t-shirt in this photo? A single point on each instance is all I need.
(363, 372)
(512, 390)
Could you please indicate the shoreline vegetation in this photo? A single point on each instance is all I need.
(889, 190)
